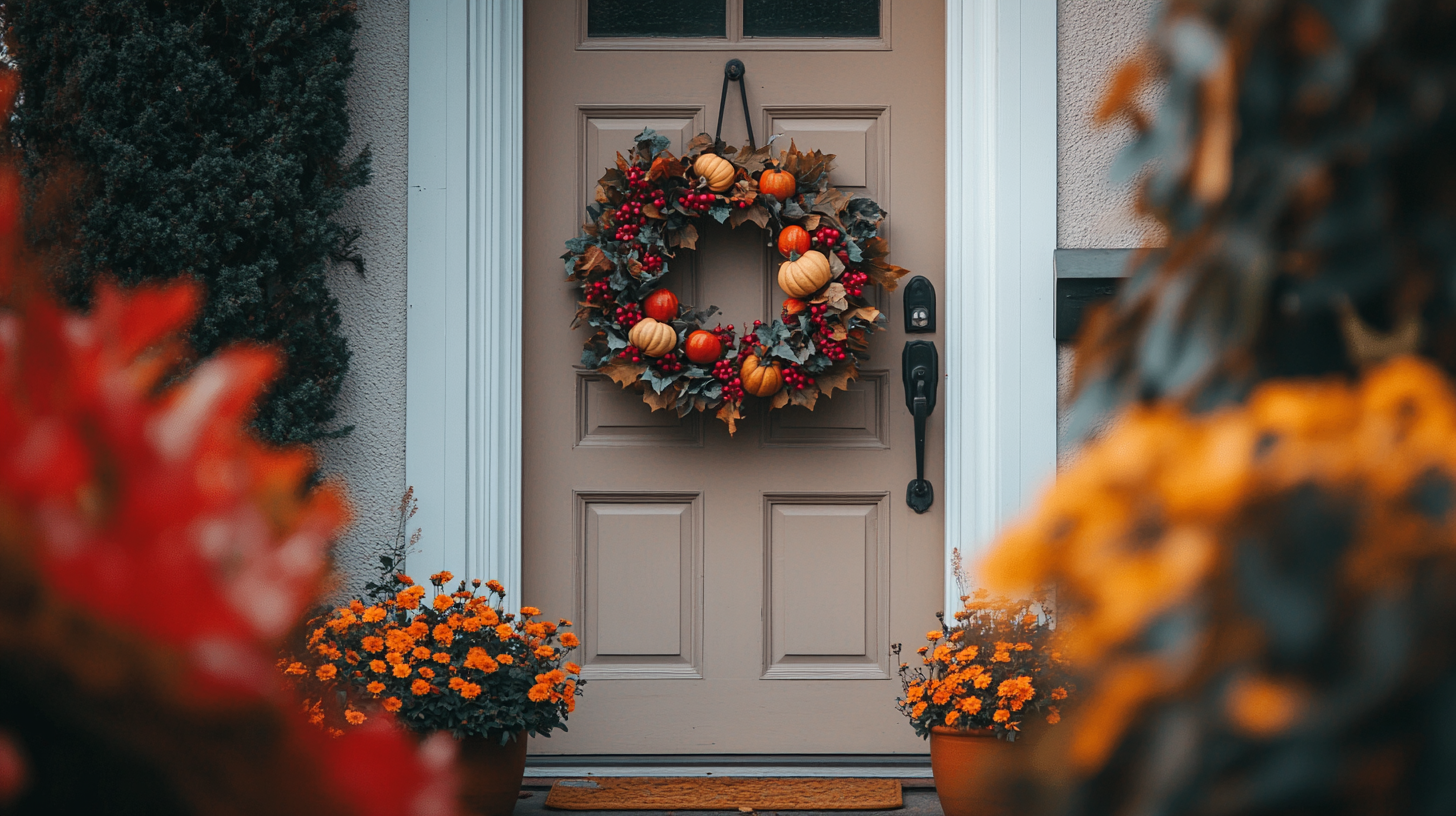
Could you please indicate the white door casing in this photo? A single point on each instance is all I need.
(463, 402)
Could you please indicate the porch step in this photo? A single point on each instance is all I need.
(876, 766)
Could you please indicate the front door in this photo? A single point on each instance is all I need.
(734, 594)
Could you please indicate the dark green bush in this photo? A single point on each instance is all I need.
(209, 135)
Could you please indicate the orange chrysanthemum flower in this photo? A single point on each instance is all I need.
(539, 693)
(373, 614)
(504, 659)
(372, 643)
(933, 636)
(951, 717)
(354, 717)
(402, 670)
(441, 657)
(573, 668)
(455, 683)
(420, 687)
(471, 624)
(427, 673)
(545, 652)
(442, 602)
(327, 671)
(470, 691)
(378, 666)
(1001, 715)
(420, 653)
(570, 640)
(296, 668)
(391, 704)
(528, 611)
(478, 658)
(504, 631)
(375, 687)
(970, 705)
(443, 635)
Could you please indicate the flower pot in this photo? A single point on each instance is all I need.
(966, 765)
(490, 774)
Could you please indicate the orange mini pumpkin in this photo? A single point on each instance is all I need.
(661, 305)
(761, 380)
(793, 239)
(793, 306)
(778, 183)
(718, 171)
(703, 347)
(805, 276)
(653, 337)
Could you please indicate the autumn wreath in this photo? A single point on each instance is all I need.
(644, 338)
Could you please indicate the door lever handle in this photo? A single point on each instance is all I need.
(920, 368)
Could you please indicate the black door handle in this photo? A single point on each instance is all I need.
(920, 367)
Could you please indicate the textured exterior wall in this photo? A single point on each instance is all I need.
(371, 459)
(1093, 38)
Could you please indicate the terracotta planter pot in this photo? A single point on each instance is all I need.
(968, 766)
(490, 774)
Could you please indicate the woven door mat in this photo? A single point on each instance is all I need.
(723, 793)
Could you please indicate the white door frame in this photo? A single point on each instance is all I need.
(463, 428)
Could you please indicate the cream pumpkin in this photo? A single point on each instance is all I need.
(717, 170)
(654, 338)
(804, 276)
(758, 379)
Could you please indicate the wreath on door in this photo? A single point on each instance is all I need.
(644, 338)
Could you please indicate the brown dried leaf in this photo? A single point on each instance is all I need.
(687, 237)
(699, 142)
(663, 166)
(621, 162)
(838, 378)
(835, 296)
(730, 414)
(601, 195)
(635, 267)
(832, 201)
(781, 398)
(661, 402)
(756, 213)
(811, 223)
(593, 260)
(622, 373)
(651, 211)
(805, 398)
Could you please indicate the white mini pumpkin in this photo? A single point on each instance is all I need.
(652, 337)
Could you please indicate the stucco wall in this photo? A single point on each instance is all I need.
(371, 459)
(1093, 38)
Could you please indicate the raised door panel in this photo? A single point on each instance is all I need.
(640, 557)
(611, 416)
(855, 418)
(826, 564)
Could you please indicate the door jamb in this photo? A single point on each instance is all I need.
(463, 422)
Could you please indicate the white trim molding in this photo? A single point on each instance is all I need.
(463, 426)
(1001, 230)
(463, 429)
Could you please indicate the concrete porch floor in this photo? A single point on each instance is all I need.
(918, 794)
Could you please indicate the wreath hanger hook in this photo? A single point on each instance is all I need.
(734, 71)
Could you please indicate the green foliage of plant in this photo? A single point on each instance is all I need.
(1301, 162)
(210, 137)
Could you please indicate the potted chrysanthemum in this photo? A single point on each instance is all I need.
(980, 680)
(456, 661)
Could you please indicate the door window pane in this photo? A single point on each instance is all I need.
(657, 18)
(811, 18)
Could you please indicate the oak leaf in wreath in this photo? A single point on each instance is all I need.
(663, 401)
(830, 381)
(623, 374)
(593, 260)
(687, 237)
(730, 414)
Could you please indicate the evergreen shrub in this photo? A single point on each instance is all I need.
(209, 136)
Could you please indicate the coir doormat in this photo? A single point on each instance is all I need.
(725, 793)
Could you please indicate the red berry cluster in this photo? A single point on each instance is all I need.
(599, 292)
(726, 371)
(820, 331)
(854, 282)
(696, 201)
(631, 354)
(652, 262)
(629, 315)
(629, 216)
(825, 236)
(668, 363)
(794, 377)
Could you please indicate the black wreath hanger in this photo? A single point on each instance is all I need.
(734, 71)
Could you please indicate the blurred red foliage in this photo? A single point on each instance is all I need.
(152, 557)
